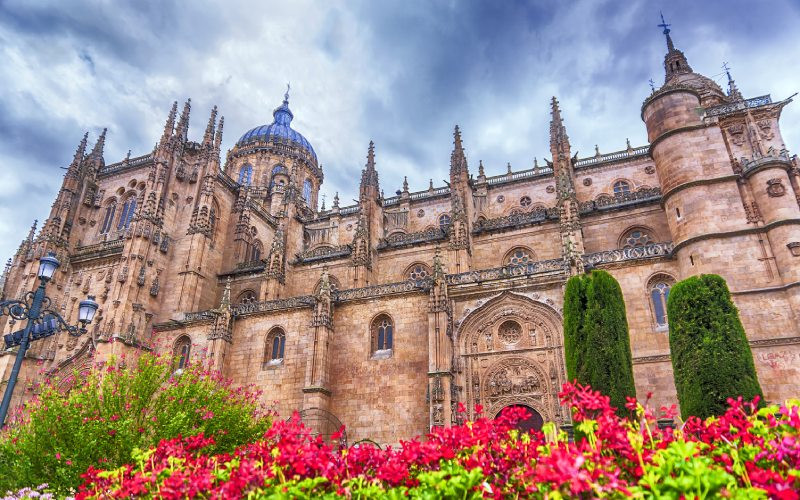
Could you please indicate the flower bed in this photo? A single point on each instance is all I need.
(746, 453)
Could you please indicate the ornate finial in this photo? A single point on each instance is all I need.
(652, 86)
(97, 151)
(666, 26)
(218, 135)
(405, 183)
(169, 127)
(182, 129)
(597, 150)
(628, 145)
(208, 137)
(323, 202)
(336, 200)
(481, 172)
(286, 95)
(733, 91)
(32, 231)
(225, 303)
(457, 138)
(430, 185)
(508, 168)
(535, 164)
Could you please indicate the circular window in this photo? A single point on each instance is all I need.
(525, 201)
(421, 213)
(510, 332)
(501, 198)
(418, 272)
(519, 257)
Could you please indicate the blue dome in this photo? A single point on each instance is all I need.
(280, 128)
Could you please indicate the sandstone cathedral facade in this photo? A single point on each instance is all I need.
(385, 314)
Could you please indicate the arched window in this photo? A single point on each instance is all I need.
(417, 272)
(212, 218)
(444, 222)
(525, 201)
(108, 218)
(382, 336)
(128, 208)
(307, 190)
(636, 237)
(277, 169)
(256, 251)
(246, 175)
(658, 289)
(518, 257)
(274, 347)
(621, 188)
(181, 351)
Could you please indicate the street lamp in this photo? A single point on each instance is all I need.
(42, 322)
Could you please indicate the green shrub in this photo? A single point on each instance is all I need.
(711, 359)
(119, 408)
(596, 342)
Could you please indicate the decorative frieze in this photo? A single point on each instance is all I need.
(726, 109)
(510, 222)
(533, 268)
(400, 240)
(651, 251)
(323, 253)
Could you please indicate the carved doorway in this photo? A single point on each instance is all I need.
(511, 354)
(533, 423)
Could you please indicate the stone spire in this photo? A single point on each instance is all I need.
(208, 137)
(79, 154)
(369, 176)
(458, 160)
(675, 62)
(183, 124)
(218, 135)
(559, 141)
(733, 90)
(169, 127)
(97, 151)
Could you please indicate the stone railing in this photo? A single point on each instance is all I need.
(250, 264)
(430, 193)
(616, 156)
(497, 273)
(198, 316)
(644, 195)
(323, 253)
(510, 222)
(126, 164)
(772, 156)
(522, 174)
(651, 251)
(273, 305)
(400, 240)
(227, 181)
(352, 209)
(98, 250)
(368, 292)
(725, 109)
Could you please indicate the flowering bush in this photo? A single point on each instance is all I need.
(117, 409)
(745, 453)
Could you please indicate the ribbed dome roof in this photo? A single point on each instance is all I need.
(279, 128)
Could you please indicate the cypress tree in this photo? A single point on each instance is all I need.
(596, 341)
(711, 358)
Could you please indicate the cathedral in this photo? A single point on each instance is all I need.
(384, 315)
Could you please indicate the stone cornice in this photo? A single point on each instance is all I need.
(767, 289)
(740, 232)
(699, 182)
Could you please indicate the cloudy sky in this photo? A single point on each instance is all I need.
(400, 73)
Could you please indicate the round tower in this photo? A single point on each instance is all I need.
(719, 209)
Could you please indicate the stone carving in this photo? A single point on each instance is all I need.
(399, 240)
(533, 268)
(513, 377)
(765, 129)
(736, 133)
(653, 250)
(510, 332)
(509, 222)
(775, 188)
(726, 109)
(551, 189)
(323, 253)
(501, 198)
(794, 247)
(420, 213)
(650, 170)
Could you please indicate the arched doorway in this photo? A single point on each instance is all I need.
(534, 421)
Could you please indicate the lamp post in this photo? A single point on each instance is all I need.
(42, 322)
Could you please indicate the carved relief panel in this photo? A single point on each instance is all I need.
(511, 354)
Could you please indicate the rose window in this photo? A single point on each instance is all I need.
(637, 238)
(510, 332)
(418, 273)
(525, 201)
(520, 257)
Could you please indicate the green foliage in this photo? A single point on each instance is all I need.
(711, 358)
(596, 341)
(117, 409)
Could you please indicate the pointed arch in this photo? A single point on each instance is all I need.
(381, 334)
(181, 351)
(275, 347)
(657, 291)
(417, 271)
(245, 175)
